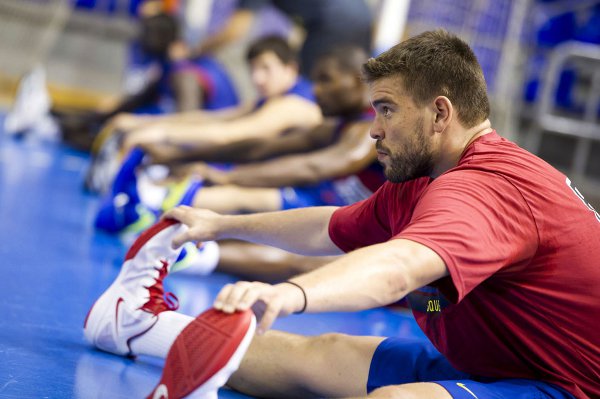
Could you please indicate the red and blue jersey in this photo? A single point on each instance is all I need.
(522, 248)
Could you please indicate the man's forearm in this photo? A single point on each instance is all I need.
(370, 277)
(304, 231)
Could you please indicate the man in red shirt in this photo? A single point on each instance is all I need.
(496, 250)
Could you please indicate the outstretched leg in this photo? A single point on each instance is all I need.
(264, 263)
(280, 365)
(235, 199)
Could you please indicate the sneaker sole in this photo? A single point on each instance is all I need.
(205, 354)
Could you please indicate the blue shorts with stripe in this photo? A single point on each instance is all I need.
(399, 361)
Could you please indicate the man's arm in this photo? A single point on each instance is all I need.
(261, 148)
(372, 276)
(270, 120)
(251, 149)
(352, 153)
(369, 277)
(204, 116)
(304, 231)
(130, 123)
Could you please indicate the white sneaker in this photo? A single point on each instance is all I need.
(32, 104)
(129, 307)
(197, 261)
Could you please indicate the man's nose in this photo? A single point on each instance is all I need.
(376, 131)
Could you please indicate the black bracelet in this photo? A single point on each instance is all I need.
(303, 294)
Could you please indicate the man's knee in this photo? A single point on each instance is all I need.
(328, 342)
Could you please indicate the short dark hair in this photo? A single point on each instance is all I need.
(275, 44)
(436, 63)
(158, 32)
(164, 23)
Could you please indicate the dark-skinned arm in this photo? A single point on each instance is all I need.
(352, 153)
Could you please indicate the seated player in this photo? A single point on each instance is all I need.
(150, 87)
(286, 103)
(496, 250)
(340, 169)
(153, 91)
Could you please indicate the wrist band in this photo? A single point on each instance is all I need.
(303, 294)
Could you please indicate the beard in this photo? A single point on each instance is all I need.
(415, 161)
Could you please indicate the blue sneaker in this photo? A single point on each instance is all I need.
(118, 215)
(126, 179)
(122, 209)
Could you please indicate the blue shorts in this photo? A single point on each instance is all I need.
(401, 361)
(321, 194)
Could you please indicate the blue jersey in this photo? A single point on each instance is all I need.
(212, 78)
(214, 81)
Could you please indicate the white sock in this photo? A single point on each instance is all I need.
(151, 193)
(199, 261)
(158, 340)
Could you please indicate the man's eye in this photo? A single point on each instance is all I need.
(386, 111)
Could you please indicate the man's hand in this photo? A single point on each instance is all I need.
(125, 122)
(211, 174)
(267, 301)
(149, 134)
(204, 225)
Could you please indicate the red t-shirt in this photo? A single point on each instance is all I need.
(523, 253)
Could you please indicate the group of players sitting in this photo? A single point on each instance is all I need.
(301, 143)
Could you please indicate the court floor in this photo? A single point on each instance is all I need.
(54, 265)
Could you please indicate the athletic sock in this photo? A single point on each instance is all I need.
(158, 340)
(151, 193)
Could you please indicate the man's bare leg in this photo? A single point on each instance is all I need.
(280, 365)
(264, 263)
(235, 199)
(283, 365)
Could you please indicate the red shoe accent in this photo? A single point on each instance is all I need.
(202, 350)
(160, 301)
(147, 235)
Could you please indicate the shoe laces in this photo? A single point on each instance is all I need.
(159, 301)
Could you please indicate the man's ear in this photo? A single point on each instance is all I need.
(443, 113)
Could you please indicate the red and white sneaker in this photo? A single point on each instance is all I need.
(129, 307)
(205, 354)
